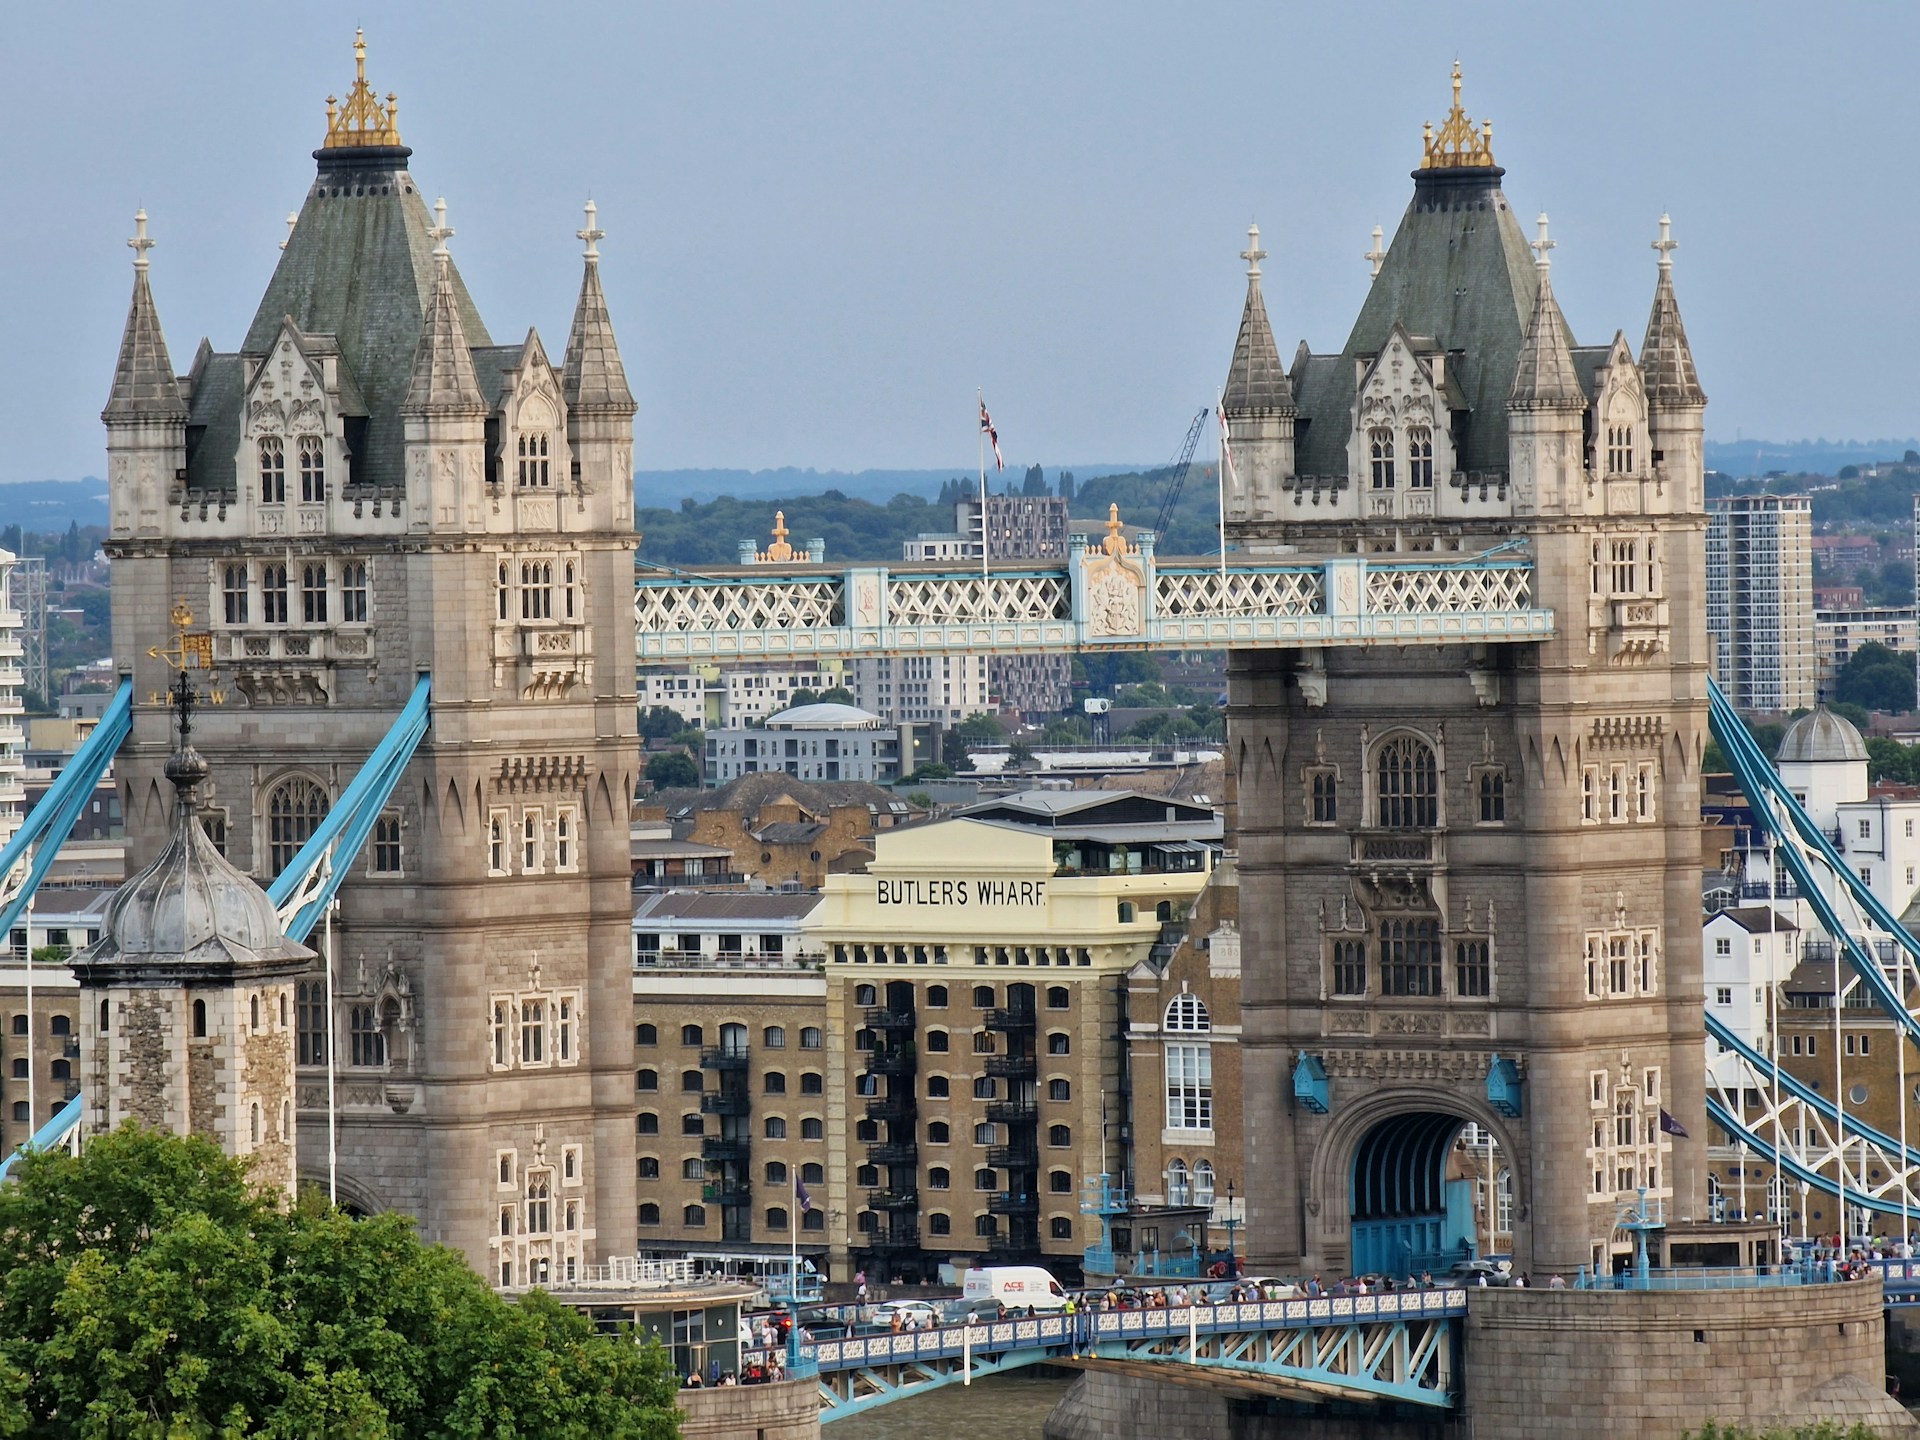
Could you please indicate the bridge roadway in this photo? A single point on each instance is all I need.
(1400, 1347)
(1107, 596)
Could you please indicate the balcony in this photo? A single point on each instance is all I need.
(905, 1235)
(1011, 1020)
(725, 1104)
(893, 1199)
(1013, 1112)
(890, 1107)
(894, 1152)
(722, 1150)
(898, 1061)
(727, 1193)
(881, 1017)
(724, 1057)
(1014, 1202)
(1013, 1157)
(1012, 1067)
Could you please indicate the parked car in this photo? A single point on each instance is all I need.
(1468, 1272)
(914, 1314)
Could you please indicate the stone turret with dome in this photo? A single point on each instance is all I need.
(186, 1000)
(1823, 759)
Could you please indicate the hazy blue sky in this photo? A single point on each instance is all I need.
(829, 223)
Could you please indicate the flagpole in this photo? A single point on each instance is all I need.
(1220, 491)
(981, 396)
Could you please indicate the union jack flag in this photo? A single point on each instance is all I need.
(993, 436)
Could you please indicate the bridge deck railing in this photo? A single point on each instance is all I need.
(1090, 1328)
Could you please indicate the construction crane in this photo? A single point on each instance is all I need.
(1177, 472)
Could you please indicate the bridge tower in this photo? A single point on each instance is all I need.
(1470, 874)
(368, 490)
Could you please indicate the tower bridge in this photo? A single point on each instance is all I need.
(1464, 612)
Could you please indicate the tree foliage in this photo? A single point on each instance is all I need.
(1824, 1430)
(147, 1288)
(1876, 678)
(661, 723)
(981, 728)
(672, 770)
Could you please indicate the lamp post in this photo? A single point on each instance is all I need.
(1233, 1219)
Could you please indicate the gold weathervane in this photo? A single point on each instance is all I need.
(780, 549)
(191, 650)
(363, 120)
(1458, 146)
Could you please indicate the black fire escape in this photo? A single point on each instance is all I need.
(892, 1245)
(729, 1154)
(1018, 1115)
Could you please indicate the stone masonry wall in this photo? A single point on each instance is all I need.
(1545, 1364)
(751, 1412)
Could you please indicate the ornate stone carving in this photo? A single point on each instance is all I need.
(1426, 1022)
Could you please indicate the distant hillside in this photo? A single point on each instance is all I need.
(693, 535)
(661, 488)
(53, 504)
(1744, 458)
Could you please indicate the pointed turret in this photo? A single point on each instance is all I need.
(443, 381)
(1256, 409)
(1544, 378)
(1665, 358)
(1256, 382)
(593, 379)
(144, 385)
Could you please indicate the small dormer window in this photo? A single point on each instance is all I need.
(1419, 458)
(313, 470)
(273, 471)
(1380, 448)
(1620, 450)
(533, 447)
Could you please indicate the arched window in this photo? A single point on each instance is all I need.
(310, 1014)
(814, 1219)
(1059, 1043)
(313, 469)
(646, 1080)
(536, 590)
(253, 1123)
(313, 594)
(936, 997)
(644, 1034)
(295, 808)
(649, 1214)
(533, 456)
(1409, 784)
(864, 994)
(567, 590)
(1620, 449)
(776, 1172)
(1059, 1090)
(1326, 797)
(368, 1047)
(1059, 1137)
(1059, 1182)
(646, 1123)
(200, 1019)
(273, 471)
(253, 1012)
(273, 594)
(1203, 1183)
(813, 1128)
(983, 997)
(1419, 458)
(983, 1226)
(1179, 1184)
(774, 1037)
(233, 593)
(497, 844)
(692, 1035)
(503, 588)
(937, 1042)
(1058, 997)
(694, 1216)
(938, 1132)
(1186, 1011)
(1410, 957)
(353, 592)
(939, 1224)
(1380, 451)
(563, 840)
(1349, 967)
(776, 1218)
(810, 1037)
(539, 1203)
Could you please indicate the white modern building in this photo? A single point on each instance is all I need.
(1760, 600)
(824, 741)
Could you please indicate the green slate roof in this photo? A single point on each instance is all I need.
(1458, 269)
(358, 267)
(143, 381)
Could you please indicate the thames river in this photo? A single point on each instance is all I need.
(1007, 1407)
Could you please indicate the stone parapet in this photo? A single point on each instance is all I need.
(788, 1411)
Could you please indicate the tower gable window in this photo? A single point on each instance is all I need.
(1492, 786)
(1419, 458)
(313, 594)
(1350, 967)
(353, 592)
(273, 594)
(536, 590)
(1380, 452)
(273, 471)
(313, 469)
(233, 593)
(1620, 450)
(1324, 790)
(1410, 957)
(533, 449)
(1408, 785)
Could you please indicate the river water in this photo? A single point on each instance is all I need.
(1006, 1407)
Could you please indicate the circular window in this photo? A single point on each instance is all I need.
(1857, 1095)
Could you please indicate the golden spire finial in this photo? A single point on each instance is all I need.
(362, 120)
(780, 549)
(1457, 145)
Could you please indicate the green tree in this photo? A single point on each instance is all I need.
(802, 696)
(981, 728)
(954, 755)
(1019, 755)
(837, 695)
(1035, 482)
(1876, 678)
(660, 723)
(1066, 486)
(1888, 759)
(1824, 1430)
(672, 770)
(147, 1288)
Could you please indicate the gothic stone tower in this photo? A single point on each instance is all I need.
(186, 1003)
(369, 491)
(1464, 867)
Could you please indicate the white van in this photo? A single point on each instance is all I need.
(1015, 1286)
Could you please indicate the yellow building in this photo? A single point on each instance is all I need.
(976, 984)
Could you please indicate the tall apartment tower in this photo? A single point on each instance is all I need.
(369, 490)
(1470, 874)
(1760, 601)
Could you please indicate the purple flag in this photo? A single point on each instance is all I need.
(800, 1194)
(1671, 1126)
